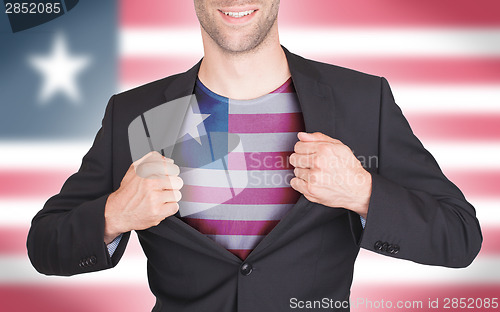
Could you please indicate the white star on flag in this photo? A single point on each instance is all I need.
(190, 125)
(59, 70)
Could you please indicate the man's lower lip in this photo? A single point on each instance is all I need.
(237, 20)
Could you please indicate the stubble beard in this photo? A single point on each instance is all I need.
(247, 44)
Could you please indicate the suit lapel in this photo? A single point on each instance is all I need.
(317, 105)
(183, 84)
(315, 97)
(158, 127)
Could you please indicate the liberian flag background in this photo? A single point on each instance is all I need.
(442, 59)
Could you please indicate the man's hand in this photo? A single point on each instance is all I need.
(327, 172)
(148, 193)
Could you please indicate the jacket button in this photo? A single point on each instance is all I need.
(93, 260)
(385, 245)
(246, 269)
(390, 249)
(396, 249)
(378, 245)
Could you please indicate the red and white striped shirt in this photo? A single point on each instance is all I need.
(240, 202)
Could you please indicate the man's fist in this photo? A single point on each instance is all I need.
(148, 193)
(327, 172)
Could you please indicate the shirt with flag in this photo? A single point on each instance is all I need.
(236, 174)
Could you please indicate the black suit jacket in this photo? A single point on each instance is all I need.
(415, 212)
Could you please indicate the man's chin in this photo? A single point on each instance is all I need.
(239, 45)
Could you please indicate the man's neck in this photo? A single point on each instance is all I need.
(244, 76)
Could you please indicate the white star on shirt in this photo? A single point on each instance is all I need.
(59, 70)
(190, 125)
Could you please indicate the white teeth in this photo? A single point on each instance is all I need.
(239, 14)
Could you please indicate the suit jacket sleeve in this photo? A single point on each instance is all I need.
(414, 209)
(67, 236)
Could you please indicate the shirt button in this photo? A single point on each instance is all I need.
(246, 269)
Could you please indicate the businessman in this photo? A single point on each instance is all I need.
(268, 242)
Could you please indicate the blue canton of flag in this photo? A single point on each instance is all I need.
(56, 78)
(214, 141)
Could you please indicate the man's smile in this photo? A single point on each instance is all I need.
(237, 15)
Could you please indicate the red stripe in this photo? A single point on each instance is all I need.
(231, 227)
(389, 13)
(266, 123)
(248, 196)
(436, 70)
(13, 240)
(477, 127)
(133, 298)
(241, 253)
(287, 87)
(143, 70)
(365, 297)
(491, 241)
(19, 183)
(259, 161)
(136, 70)
(477, 183)
(76, 298)
(157, 13)
(298, 13)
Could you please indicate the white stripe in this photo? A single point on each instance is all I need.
(237, 212)
(393, 42)
(447, 99)
(21, 212)
(274, 103)
(422, 98)
(466, 155)
(27, 155)
(374, 268)
(487, 212)
(161, 42)
(132, 269)
(237, 241)
(238, 178)
(269, 142)
(369, 268)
